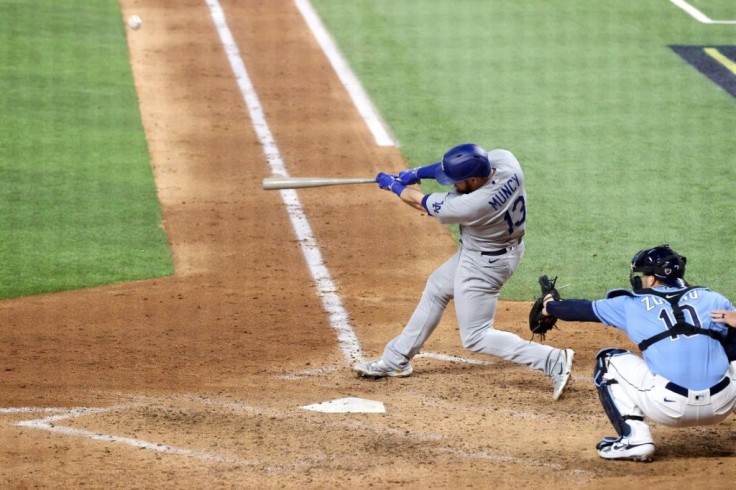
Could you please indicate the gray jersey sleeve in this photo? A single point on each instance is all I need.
(489, 217)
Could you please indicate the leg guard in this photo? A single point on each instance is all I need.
(603, 385)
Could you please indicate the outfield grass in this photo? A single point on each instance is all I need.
(624, 145)
(79, 202)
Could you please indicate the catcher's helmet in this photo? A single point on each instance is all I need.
(463, 162)
(661, 262)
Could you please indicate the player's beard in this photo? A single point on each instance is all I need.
(470, 185)
(463, 187)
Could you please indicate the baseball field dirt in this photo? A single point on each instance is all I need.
(198, 380)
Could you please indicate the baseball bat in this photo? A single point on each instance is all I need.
(275, 183)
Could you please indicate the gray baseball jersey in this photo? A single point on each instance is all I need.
(491, 220)
(489, 217)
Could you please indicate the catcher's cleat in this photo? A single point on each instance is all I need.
(561, 372)
(378, 369)
(622, 448)
(607, 441)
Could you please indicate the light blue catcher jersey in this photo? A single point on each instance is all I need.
(695, 362)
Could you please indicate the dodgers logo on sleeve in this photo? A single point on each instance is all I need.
(436, 206)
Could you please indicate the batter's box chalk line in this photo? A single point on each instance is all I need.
(429, 355)
(50, 424)
(449, 358)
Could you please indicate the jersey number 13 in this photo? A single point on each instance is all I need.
(516, 215)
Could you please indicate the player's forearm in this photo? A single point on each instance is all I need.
(412, 197)
(572, 310)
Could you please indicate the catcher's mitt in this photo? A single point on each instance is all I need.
(539, 323)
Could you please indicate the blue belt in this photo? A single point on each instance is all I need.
(716, 388)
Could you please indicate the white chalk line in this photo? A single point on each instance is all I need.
(50, 424)
(431, 355)
(354, 424)
(327, 290)
(698, 15)
(338, 317)
(308, 373)
(449, 358)
(360, 98)
(382, 430)
(14, 410)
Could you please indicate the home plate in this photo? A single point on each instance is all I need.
(348, 405)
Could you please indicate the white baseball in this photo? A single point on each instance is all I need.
(134, 22)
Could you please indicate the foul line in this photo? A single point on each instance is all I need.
(326, 288)
(698, 15)
(361, 100)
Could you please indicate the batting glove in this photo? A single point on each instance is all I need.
(409, 177)
(389, 182)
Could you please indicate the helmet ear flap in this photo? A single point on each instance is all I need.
(637, 266)
(635, 282)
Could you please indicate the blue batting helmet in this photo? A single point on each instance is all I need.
(661, 262)
(463, 162)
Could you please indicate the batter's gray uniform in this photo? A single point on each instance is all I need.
(491, 220)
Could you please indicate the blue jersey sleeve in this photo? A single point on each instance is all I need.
(611, 312)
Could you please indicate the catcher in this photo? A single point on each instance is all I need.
(683, 377)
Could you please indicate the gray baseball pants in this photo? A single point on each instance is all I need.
(473, 281)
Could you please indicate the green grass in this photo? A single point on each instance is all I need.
(79, 202)
(624, 145)
(716, 9)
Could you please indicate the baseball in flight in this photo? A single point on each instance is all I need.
(134, 22)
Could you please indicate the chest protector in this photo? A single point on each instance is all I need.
(681, 327)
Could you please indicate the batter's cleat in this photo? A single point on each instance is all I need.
(378, 369)
(623, 449)
(561, 372)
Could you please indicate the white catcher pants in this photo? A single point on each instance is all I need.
(474, 281)
(641, 393)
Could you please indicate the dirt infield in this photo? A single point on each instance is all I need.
(198, 380)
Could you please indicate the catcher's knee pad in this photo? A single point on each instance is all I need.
(603, 385)
(601, 365)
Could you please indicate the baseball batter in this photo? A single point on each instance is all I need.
(684, 378)
(488, 201)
